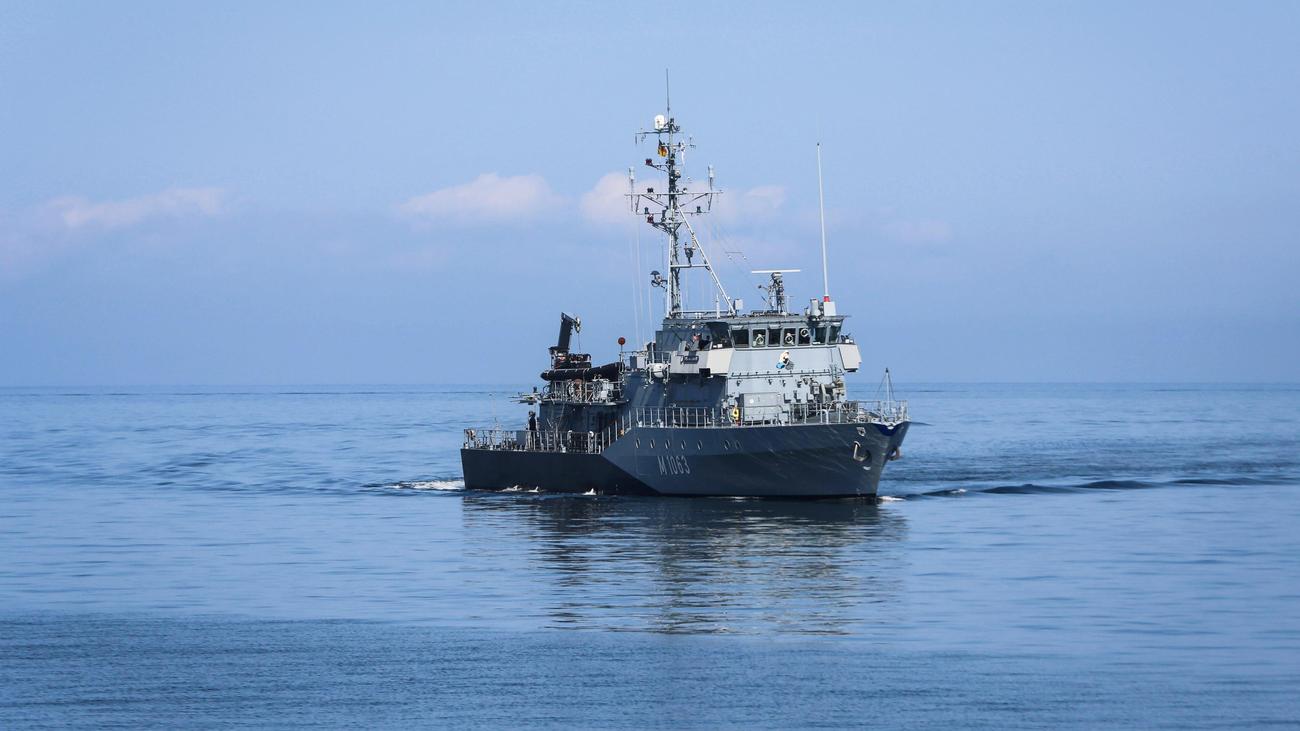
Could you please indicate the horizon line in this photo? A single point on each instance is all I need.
(515, 384)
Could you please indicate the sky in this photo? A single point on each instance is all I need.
(363, 193)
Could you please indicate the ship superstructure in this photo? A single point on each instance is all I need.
(721, 402)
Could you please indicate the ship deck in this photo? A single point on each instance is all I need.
(886, 413)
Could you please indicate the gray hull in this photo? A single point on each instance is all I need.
(809, 460)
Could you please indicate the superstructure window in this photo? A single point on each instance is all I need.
(819, 335)
(805, 337)
(760, 338)
(834, 335)
(787, 337)
(741, 336)
(774, 336)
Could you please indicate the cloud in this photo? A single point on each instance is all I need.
(75, 213)
(918, 232)
(760, 203)
(32, 238)
(489, 198)
(607, 203)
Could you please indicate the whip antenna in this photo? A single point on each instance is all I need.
(821, 206)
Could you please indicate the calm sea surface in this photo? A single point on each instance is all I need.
(1047, 555)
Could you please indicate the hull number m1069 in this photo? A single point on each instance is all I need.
(674, 464)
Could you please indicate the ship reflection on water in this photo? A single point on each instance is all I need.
(698, 565)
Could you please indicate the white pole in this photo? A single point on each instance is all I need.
(821, 205)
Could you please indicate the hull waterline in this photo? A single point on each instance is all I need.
(804, 461)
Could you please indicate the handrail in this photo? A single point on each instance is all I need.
(684, 417)
(524, 440)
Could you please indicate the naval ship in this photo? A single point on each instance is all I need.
(722, 402)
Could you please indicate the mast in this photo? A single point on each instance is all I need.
(667, 211)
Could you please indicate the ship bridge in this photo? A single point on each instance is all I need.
(755, 343)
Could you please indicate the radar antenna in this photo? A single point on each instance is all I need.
(775, 289)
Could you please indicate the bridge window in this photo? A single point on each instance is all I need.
(834, 335)
(805, 337)
(787, 337)
(760, 338)
(774, 336)
(741, 336)
(819, 335)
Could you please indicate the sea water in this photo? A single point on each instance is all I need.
(1043, 555)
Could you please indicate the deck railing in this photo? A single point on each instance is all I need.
(595, 442)
(523, 440)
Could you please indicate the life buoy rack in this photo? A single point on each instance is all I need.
(735, 414)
